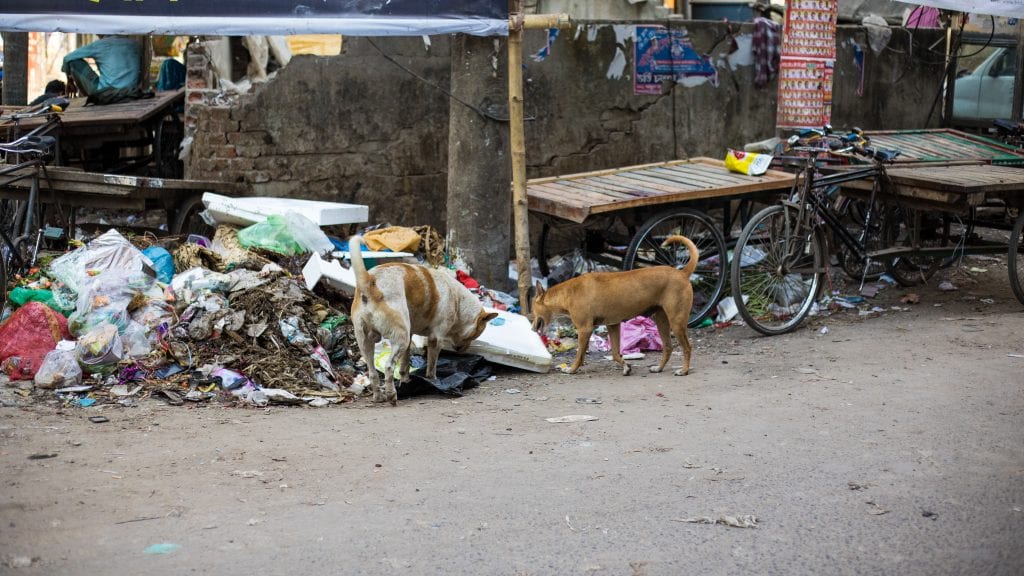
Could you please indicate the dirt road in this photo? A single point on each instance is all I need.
(892, 444)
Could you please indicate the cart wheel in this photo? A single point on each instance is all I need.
(855, 214)
(708, 279)
(1015, 259)
(917, 229)
(188, 221)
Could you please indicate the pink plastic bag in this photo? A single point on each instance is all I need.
(639, 334)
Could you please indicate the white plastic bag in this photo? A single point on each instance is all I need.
(59, 369)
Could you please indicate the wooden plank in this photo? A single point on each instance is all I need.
(655, 185)
(85, 200)
(704, 172)
(964, 179)
(611, 183)
(568, 194)
(938, 198)
(546, 206)
(599, 183)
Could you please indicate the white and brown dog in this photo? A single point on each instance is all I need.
(609, 298)
(395, 301)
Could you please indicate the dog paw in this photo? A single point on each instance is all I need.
(654, 368)
(627, 369)
(680, 372)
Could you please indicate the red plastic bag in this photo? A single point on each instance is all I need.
(638, 334)
(31, 332)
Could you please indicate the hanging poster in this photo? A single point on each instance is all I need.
(807, 64)
(661, 54)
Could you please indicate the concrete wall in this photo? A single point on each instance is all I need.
(357, 128)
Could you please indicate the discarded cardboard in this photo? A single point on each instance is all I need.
(245, 211)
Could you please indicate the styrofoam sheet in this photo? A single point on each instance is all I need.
(252, 209)
(512, 343)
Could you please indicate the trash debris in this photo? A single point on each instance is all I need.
(910, 298)
(638, 334)
(162, 548)
(746, 521)
(571, 418)
(27, 336)
(946, 286)
(588, 400)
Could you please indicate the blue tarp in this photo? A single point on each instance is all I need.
(258, 17)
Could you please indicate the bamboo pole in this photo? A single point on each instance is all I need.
(517, 138)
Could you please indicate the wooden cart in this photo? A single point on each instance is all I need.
(623, 215)
(957, 190)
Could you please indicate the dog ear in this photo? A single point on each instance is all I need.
(490, 316)
(538, 290)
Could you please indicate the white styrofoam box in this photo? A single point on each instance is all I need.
(249, 210)
(512, 343)
(335, 274)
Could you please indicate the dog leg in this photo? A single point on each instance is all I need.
(403, 366)
(399, 350)
(680, 329)
(583, 333)
(366, 341)
(433, 351)
(664, 330)
(614, 336)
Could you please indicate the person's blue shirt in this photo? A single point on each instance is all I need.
(117, 58)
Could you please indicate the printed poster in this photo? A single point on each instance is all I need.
(807, 64)
(662, 54)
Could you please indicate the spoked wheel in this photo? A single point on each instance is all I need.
(1015, 258)
(863, 222)
(708, 280)
(777, 270)
(911, 228)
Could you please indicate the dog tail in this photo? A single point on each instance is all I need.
(364, 281)
(694, 253)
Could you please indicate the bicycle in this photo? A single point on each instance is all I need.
(25, 157)
(781, 255)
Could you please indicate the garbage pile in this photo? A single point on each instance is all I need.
(225, 319)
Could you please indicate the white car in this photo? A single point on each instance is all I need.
(987, 91)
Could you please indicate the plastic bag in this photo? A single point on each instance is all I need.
(59, 369)
(273, 234)
(747, 163)
(309, 235)
(163, 263)
(22, 296)
(100, 350)
(154, 313)
(69, 269)
(639, 334)
(136, 340)
(30, 332)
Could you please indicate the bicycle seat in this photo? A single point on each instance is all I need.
(30, 144)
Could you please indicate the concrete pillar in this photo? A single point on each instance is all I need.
(479, 206)
(15, 68)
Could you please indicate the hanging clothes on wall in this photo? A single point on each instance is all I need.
(766, 50)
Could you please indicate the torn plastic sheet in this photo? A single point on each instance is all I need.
(455, 373)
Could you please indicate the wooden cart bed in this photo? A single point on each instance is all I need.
(953, 187)
(944, 145)
(576, 197)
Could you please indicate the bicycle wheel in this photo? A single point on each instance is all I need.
(777, 270)
(1015, 258)
(911, 228)
(855, 214)
(708, 280)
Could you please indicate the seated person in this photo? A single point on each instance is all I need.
(54, 89)
(118, 60)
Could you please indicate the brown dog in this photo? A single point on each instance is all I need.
(397, 300)
(610, 298)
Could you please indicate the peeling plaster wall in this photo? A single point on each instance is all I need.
(357, 128)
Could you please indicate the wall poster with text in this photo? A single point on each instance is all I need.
(661, 54)
(807, 64)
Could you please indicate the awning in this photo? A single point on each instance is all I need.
(258, 17)
(1008, 8)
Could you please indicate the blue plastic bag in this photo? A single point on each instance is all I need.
(163, 263)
